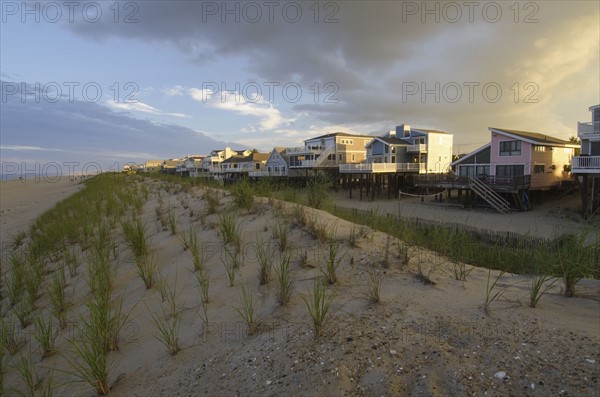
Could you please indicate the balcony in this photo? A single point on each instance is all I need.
(263, 174)
(311, 149)
(419, 148)
(588, 128)
(373, 168)
(586, 165)
(303, 163)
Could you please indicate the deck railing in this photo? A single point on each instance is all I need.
(418, 148)
(497, 183)
(586, 164)
(588, 128)
(262, 174)
(304, 149)
(382, 167)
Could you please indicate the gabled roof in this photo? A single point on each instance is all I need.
(234, 159)
(257, 157)
(391, 141)
(533, 137)
(336, 134)
(281, 151)
(473, 153)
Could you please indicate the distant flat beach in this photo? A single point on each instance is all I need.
(22, 201)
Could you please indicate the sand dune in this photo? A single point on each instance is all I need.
(420, 340)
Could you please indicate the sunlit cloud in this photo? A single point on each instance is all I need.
(28, 148)
(174, 91)
(270, 118)
(142, 107)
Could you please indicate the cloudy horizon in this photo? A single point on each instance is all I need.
(128, 81)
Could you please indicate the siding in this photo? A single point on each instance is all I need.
(495, 158)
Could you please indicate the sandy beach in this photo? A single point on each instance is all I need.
(421, 340)
(22, 201)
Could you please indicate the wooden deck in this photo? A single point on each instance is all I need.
(452, 181)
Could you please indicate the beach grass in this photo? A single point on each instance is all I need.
(146, 268)
(135, 233)
(319, 306)
(231, 263)
(31, 379)
(204, 284)
(280, 232)
(283, 272)
(264, 255)
(167, 331)
(332, 259)
(9, 331)
(90, 363)
(230, 229)
(247, 310)
(374, 285)
(539, 285)
(243, 197)
(493, 292)
(45, 335)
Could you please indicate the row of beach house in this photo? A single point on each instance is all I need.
(514, 163)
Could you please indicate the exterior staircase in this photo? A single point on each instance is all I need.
(489, 195)
(319, 160)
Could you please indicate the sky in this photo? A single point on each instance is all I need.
(111, 82)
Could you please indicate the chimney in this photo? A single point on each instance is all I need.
(405, 129)
(392, 134)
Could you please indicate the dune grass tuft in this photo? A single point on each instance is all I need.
(264, 255)
(247, 311)
(332, 258)
(45, 335)
(319, 305)
(167, 331)
(230, 229)
(284, 279)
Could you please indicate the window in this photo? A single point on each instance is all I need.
(353, 158)
(387, 149)
(474, 170)
(510, 148)
(340, 157)
(258, 166)
(539, 168)
(539, 148)
(508, 171)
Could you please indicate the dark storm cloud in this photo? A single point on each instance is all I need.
(376, 48)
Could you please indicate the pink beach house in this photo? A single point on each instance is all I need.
(541, 159)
